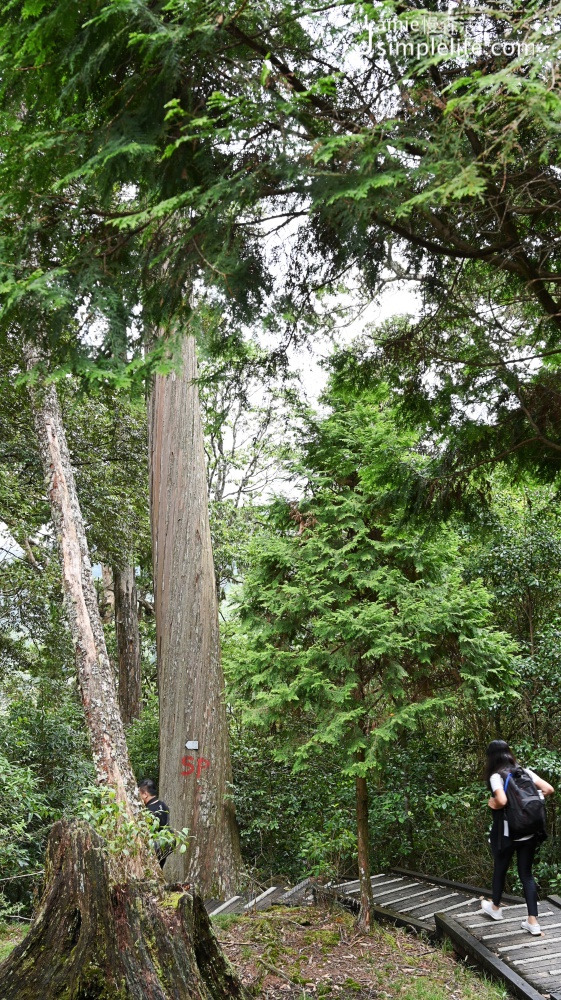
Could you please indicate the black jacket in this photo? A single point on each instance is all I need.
(159, 809)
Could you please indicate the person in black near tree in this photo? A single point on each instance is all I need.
(148, 794)
(500, 760)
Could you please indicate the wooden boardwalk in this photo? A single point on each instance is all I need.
(529, 966)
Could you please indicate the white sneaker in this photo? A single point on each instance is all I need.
(533, 929)
(487, 908)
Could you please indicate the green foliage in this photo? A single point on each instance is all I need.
(143, 741)
(44, 729)
(46, 763)
(293, 825)
(358, 619)
(23, 810)
(107, 437)
(123, 835)
(516, 549)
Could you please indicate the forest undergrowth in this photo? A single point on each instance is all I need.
(294, 954)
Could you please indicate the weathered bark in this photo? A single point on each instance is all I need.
(92, 662)
(366, 900)
(96, 939)
(95, 676)
(108, 601)
(128, 642)
(194, 782)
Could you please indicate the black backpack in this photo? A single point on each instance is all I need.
(525, 809)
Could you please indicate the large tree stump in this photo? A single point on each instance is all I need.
(95, 938)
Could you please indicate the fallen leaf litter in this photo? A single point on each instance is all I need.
(316, 952)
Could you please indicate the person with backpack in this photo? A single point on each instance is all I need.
(519, 826)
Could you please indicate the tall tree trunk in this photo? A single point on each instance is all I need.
(194, 780)
(366, 900)
(128, 642)
(95, 676)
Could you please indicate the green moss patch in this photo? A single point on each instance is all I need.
(300, 954)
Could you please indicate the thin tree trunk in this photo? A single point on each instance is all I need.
(128, 642)
(366, 900)
(95, 676)
(194, 780)
(108, 601)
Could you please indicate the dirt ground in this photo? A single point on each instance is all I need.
(284, 954)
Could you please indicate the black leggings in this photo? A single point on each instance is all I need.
(525, 850)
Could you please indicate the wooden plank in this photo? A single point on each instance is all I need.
(397, 888)
(460, 886)
(389, 881)
(348, 886)
(485, 959)
(442, 899)
(265, 899)
(544, 982)
(537, 958)
(295, 895)
(489, 922)
(534, 976)
(428, 902)
(544, 942)
(228, 906)
(345, 898)
(211, 904)
(446, 909)
(490, 937)
(412, 895)
(382, 913)
(379, 913)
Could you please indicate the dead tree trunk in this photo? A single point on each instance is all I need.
(128, 642)
(366, 899)
(95, 676)
(195, 769)
(97, 939)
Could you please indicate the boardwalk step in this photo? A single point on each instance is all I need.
(296, 896)
(266, 899)
(211, 904)
(233, 905)
(245, 904)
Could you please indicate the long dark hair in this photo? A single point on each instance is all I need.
(499, 756)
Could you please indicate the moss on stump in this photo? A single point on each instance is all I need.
(95, 939)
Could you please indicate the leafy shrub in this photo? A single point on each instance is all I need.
(24, 813)
(123, 835)
(291, 823)
(45, 764)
